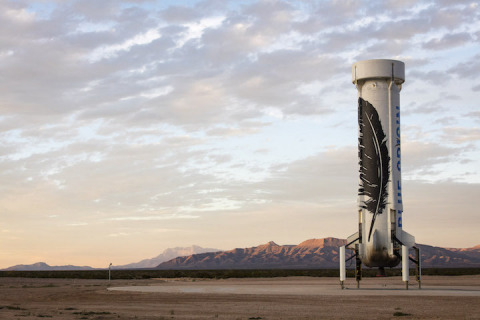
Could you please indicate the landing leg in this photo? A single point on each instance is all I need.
(418, 262)
(405, 266)
(358, 266)
(381, 272)
(342, 265)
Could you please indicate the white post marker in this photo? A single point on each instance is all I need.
(405, 266)
(342, 265)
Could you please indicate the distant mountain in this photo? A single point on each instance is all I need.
(310, 254)
(314, 253)
(42, 266)
(168, 254)
(145, 264)
(437, 257)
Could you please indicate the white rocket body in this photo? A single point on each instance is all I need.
(380, 204)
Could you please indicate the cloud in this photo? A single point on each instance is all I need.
(230, 112)
(446, 121)
(153, 218)
(461, 135)
(469, 69)
(448, 41)
(419, 156)
(434, 77)
(327, 177)
(111, 50)
(474, 115)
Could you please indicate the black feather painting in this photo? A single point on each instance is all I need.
(373, 159)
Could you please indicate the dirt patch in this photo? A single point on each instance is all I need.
(22, 298)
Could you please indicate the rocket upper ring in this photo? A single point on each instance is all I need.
(379, 68)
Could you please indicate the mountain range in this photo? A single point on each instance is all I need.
(42, 266)
(152, 263)
(310, 254)
(166, 255)
(314, 253)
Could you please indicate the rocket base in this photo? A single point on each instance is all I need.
(405, 266)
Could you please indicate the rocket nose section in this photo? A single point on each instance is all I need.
(378, 68)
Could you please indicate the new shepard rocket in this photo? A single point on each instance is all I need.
(380, 240)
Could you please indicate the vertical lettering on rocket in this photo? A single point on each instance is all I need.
(399, 187)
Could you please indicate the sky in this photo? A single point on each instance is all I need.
(130, 127)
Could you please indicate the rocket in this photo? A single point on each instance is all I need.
(380, 240)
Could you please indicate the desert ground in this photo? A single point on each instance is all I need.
(441, 297)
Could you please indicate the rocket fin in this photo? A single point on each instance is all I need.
(352, 240)
(407, 239)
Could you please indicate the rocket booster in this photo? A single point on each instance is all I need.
(380, 204)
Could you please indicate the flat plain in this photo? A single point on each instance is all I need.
(441, 297)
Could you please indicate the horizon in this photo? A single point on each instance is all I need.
(193, 245)
(209, 251)
(130, 127)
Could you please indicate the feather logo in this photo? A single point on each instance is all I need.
(373, 160)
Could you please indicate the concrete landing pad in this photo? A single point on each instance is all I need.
(310, 289)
